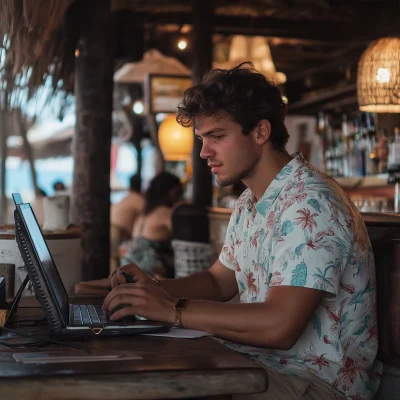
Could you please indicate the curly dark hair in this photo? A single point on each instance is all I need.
(244, 94)
(159, 192)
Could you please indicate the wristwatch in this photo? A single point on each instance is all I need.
(179, 307)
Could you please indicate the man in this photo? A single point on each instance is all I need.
(124, 213)
(296, 251)
(123, 216)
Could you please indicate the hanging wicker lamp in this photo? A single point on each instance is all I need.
(378, 78)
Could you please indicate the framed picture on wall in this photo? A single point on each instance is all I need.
(163, 93)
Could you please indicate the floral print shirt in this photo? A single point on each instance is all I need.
(305, 231)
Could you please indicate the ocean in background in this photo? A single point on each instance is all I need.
(18, 175)
(19, 180)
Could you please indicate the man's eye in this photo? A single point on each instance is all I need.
(217, 137)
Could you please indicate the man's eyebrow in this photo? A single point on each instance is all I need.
(210, 132)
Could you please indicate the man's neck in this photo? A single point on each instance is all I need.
(266, 170)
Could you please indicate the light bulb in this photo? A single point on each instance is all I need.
(182, 44)
(383, 75)
(138, 107)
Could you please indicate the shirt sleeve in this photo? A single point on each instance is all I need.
(312, 246)
(227, 255)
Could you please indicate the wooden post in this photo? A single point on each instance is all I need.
(92, 142)
(202, 62)
(3, 157)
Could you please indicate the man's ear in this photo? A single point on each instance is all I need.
(262, 131)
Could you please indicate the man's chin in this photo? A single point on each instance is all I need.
(224, 181)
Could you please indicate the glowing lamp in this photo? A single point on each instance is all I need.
(378, 78)
(176, 141)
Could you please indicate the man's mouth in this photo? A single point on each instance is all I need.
(214, 167)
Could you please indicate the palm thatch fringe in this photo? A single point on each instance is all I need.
(33, 36)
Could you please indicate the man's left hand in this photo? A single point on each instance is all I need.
(145, 300)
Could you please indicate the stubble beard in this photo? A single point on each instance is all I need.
(237, 176)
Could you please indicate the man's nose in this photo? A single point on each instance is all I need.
(205, 150)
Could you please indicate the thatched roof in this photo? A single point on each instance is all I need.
(35, 39)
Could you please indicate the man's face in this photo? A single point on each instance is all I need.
(230, 155)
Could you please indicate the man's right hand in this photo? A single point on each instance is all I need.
(138, 276)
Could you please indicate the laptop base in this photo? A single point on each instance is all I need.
(85, 332)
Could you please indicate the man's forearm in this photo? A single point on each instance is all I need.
(200, 285)
(255, 324)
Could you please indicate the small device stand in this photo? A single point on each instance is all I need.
(17, 298)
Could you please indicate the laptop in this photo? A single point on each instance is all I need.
(65, 319)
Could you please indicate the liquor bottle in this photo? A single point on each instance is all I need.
(373, 159)
(394, 149)
(383, 152)
(359, 148)
(344, 139)
(320, 161)
(339, 153)
(351, 155)
(354, 153)
(328, 148)
(365, 145)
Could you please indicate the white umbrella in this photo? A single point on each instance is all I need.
(153, 62)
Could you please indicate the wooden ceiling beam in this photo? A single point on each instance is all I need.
(294, 54)
(348, 57)
(359, 32)
(334, 96)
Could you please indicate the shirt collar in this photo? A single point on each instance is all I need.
(268, 198)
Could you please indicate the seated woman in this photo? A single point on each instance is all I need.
(151, 247)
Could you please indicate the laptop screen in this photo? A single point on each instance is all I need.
(45, 260)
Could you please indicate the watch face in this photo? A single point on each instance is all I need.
(181, 303)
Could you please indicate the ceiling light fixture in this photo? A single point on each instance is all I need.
(378, 78)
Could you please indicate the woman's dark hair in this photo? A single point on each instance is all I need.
(244, 94)
(135, 183)
(159, 191)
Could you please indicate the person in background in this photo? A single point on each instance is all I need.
(296, 251)
(152, 233)
(37, 205)
(58, 186)
(125, 212)
(122, 218)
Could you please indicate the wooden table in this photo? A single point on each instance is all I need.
(169, 368)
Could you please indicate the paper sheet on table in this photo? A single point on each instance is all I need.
(47, 357)
(181, 333)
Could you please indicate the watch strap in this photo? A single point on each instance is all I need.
(179, 307)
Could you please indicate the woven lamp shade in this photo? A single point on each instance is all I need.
(378, 79)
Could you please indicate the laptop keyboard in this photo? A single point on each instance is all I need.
(94, 315)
